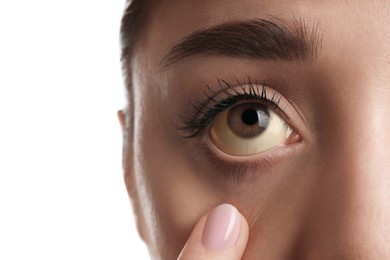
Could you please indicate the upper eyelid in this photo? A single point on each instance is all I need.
(199, 119)
(275, 100)
(224, 88)
(222, 83)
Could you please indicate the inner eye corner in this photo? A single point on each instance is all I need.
(293, 137)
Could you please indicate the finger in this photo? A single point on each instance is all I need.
(221, 234)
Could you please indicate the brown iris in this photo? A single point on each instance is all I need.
(248, 120)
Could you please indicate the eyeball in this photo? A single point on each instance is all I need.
(248, 129)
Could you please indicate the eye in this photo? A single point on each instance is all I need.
(248, 129)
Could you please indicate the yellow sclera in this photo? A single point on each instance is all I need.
(227, 141)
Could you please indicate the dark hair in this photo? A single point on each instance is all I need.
(133, 21)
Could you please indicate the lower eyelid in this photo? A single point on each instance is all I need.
(246, 168)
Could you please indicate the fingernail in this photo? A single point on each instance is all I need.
(222, 227)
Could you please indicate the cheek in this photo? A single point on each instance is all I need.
(177, 196)
(277, 217)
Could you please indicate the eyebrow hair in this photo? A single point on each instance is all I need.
(253, 39)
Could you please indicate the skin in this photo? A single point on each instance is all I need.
(325, 196)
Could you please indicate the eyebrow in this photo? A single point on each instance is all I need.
(262, 39)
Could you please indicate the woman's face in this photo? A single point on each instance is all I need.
(281, 108)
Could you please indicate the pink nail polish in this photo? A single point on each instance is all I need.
(222, 227)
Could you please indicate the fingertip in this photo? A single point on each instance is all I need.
(222, 227)
(220, 234)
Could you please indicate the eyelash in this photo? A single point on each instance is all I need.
(208, 109)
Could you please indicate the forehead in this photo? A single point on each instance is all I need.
(339, 21)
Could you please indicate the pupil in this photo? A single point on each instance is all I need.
(250, 117)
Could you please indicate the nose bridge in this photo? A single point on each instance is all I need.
(351, 212)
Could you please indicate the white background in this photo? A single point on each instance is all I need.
(62, 194)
